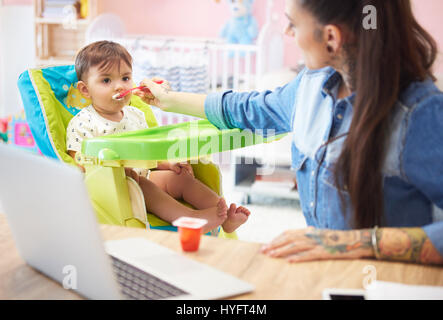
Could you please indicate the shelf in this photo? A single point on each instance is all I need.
(80, 22)
(59, 38)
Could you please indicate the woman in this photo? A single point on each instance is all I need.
(368, 130)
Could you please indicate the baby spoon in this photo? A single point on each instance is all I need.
(121, 95)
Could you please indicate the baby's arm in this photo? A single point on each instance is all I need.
(78, 129)
(72, 154)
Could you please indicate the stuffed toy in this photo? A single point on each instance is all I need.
(242, 27)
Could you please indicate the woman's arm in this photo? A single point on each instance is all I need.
(408, 245)
(271, 112)
(191, 104)
(392, 244)
(179, 102)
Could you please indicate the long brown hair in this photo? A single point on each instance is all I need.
(386, 60)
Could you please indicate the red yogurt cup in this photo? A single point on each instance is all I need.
(190, 231)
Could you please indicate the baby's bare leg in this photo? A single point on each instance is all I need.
(160, 203)
(167, 208)
(185, 186)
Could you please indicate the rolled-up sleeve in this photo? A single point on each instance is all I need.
(435, 234)
(268, 110)
(214, 111)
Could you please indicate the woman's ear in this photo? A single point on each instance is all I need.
(83, 88)
(333, 37)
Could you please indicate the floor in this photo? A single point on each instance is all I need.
(269, 217)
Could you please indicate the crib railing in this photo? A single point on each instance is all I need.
(166, 118)
(235, 65)
(229, 66)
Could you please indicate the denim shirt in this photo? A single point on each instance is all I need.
(309, 108)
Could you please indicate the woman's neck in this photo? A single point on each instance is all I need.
(343, 90)
(347, 85)
(346, 66)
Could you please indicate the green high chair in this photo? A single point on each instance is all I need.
(51, 99)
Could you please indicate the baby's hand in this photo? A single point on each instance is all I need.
(180, 166)
(131, 173)
(156, 94)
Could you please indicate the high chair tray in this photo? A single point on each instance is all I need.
(188, 140)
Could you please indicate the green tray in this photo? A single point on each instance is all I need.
(178, 142)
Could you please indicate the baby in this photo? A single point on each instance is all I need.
(104, 69)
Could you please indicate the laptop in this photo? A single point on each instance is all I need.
(55, 231)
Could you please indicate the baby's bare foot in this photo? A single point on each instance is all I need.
(236, 217)
(222, 208)
(215, 216)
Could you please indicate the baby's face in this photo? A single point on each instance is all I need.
(103, 84)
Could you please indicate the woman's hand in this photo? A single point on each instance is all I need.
(316, 244)
(161, 96)
(157, 93)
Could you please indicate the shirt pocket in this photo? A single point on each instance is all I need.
(298, 159)
(299, 165)
(328, 178)
(335, 213)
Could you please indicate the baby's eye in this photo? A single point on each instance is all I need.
(106, 80)
(126, 78)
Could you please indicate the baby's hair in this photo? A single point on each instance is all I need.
(104, 54)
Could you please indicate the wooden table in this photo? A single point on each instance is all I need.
(273, 278)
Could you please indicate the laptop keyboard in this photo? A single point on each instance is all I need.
(140, 285)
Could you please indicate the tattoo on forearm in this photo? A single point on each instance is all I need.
(342, 242)
(407, 244)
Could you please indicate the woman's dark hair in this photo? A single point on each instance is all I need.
(386, 60)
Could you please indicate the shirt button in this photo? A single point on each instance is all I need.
(313, 173)
(312, 204)
(339, 117)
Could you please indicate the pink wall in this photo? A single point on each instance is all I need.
(204, 18)
(428, 14)
(17, 2)
(188, 18)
